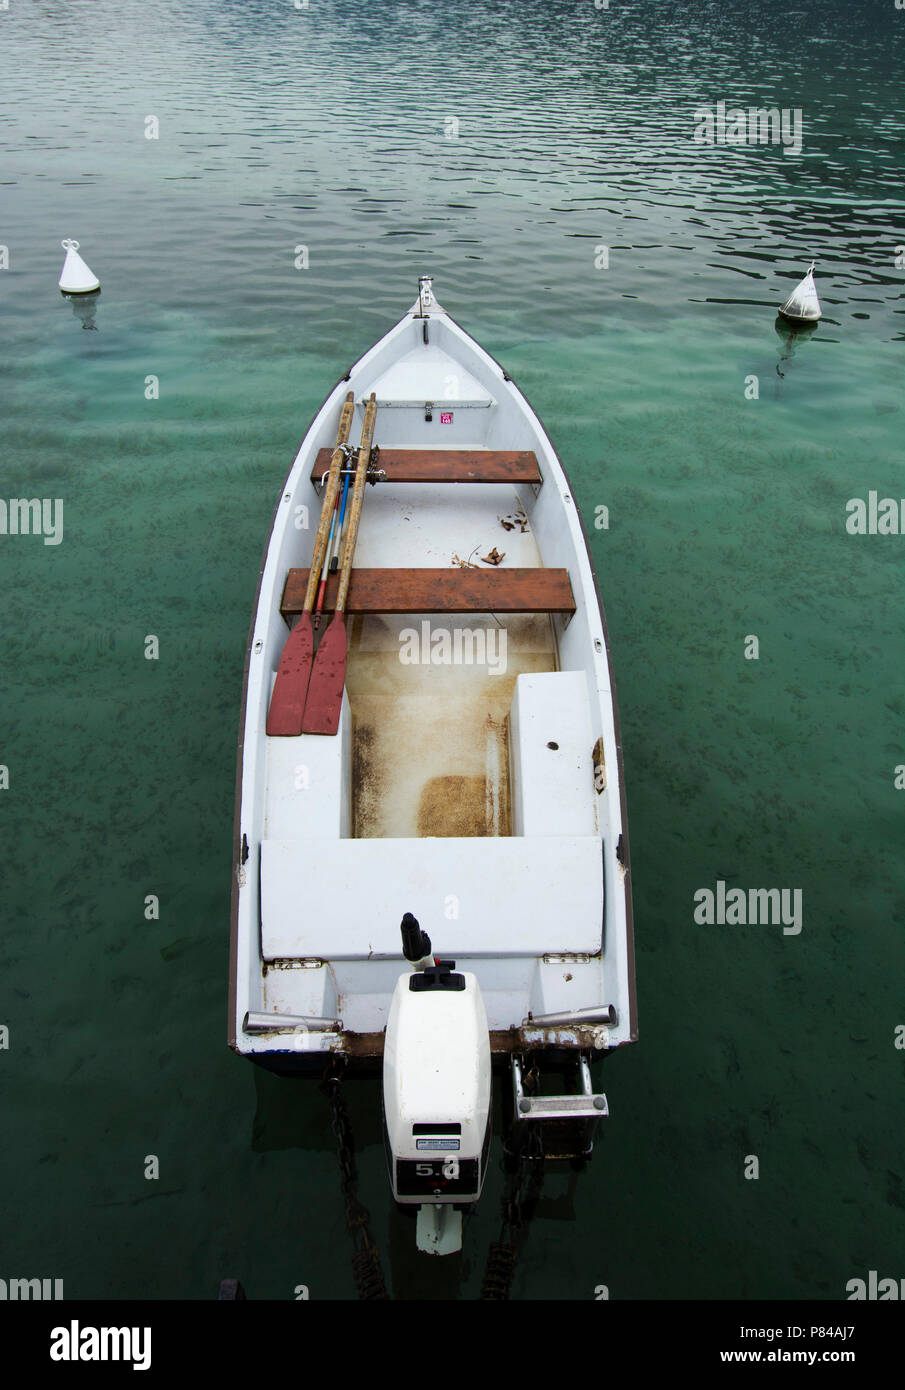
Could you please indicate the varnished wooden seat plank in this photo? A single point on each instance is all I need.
(441, 591)
(449, 465)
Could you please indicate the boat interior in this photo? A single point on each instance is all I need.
(438, 633)
(431, 689)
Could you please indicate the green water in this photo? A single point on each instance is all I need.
(326, 128)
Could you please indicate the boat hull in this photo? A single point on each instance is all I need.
(561, 940)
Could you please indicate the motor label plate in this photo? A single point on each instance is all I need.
(437, 1177)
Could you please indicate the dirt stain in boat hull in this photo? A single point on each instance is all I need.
(431, 744)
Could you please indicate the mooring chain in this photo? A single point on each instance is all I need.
(526, 1182)
(366, 1268)
(519, 1198)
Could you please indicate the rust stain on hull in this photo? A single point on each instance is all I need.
(369, 1046)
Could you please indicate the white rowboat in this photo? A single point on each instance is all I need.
(474, 780)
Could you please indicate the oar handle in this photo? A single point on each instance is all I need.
(364, 458)
(320, 539)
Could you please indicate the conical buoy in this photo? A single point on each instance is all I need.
(802, 305)
(76, 277)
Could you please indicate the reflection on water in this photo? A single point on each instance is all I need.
(792, 336)
(84, 307)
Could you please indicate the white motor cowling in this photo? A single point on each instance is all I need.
(436, 1094)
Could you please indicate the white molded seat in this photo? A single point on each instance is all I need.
(344, 899)
(552, 788)
(309, 783)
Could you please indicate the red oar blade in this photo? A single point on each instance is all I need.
(328, 678)
(287, 703)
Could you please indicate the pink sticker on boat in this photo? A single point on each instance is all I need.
(446, 419)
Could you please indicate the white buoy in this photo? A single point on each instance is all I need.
(802, 305)
(76, 277)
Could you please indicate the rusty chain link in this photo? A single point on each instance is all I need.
(524, 1157)
(366, 1258)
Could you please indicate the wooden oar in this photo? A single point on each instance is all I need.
(287, 703)
(331, 555)
(328, 675)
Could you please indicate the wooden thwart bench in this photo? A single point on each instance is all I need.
(441, 591)
(448, 465)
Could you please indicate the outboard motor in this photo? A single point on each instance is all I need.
(436, 1092)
